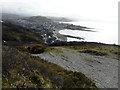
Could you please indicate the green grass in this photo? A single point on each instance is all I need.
(93, 52)
(99, 50)
(53, 50)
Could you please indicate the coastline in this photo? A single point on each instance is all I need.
(103, 32)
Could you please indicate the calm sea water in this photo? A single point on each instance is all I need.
(106, 32)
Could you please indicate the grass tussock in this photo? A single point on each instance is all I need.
(53, 50)
(34, 49)
(93, 52)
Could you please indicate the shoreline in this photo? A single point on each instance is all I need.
(77, 43)
(63, 38)
(103, 32)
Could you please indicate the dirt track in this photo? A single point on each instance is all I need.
(103, 71)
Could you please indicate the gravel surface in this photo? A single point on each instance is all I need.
(103, 71)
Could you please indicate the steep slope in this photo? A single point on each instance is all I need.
(15, 35)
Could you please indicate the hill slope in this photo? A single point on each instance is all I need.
(103, 71)
(14, 34)
(21, 70)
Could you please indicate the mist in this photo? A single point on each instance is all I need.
(93, 10)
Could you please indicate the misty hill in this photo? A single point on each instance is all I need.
(60, 19)
(10, 17)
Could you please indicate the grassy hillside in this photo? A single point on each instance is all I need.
(98, 50)
(21, 70)
(16, 35)
(92, 48)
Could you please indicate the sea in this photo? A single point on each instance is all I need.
(106, 31)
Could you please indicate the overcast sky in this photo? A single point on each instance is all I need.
(84, 9)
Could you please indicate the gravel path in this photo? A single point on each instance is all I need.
(103, 71)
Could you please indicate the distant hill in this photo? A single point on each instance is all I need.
(60, 19)
(10, 17)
